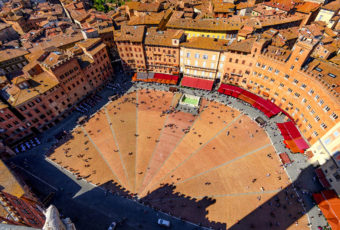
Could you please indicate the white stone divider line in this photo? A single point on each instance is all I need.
(201, 147)
(160, 134)
(36, 177)
(116, 142)
(101, 155)
(225, 163)
(173, 150)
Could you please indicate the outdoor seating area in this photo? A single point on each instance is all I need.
(27, 145)
(266, 106)
(156, 77)
(329, 203)
(197, 83)
(141, 143)
(292, 137)
(85, 105)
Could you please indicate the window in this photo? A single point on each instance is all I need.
(310, 92)
(270, 69)
(213, 57)
(317, 118)
(197, 55)
(188, 62)
(38, 100)
(277, 71)
(196, 63)
(323, 126)
(221, 66)
(321, 102)
(281, 85)
(222, 58)
(258, 64)
(181, 52)
(204, 63)
(290, 90)
(315, 133)
(303, 86)
(334, 116)
(295, 81)
(286, 76)
(205, 57)
(188, 55)
(326, 108)
(212, 65)
(316, 97)
(263, 66)
(30, 104)
(309, 107)
(296, 94)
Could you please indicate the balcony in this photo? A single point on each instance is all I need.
(201, 68)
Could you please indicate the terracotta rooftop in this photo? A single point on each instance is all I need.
(9, 54)
(44, 81)
(55, 41)
(307, 7)
(204, 24)
(3, 106)
(144, 7)
(161, 38)
(4, 26)
(130, 33)
(277, 52)
(9, 183)
(206, 43)
(242, 46)
(284, 5)
(146, 19)
(224, 7)
(328, 71)
(332, 6)
(92, 45)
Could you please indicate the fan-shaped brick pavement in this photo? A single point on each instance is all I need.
(142, 143)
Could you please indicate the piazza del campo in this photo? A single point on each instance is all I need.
(170, 114)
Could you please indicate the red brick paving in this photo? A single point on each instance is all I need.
(150, 124)
(171, 136)
(186, 160)
(101, 134)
